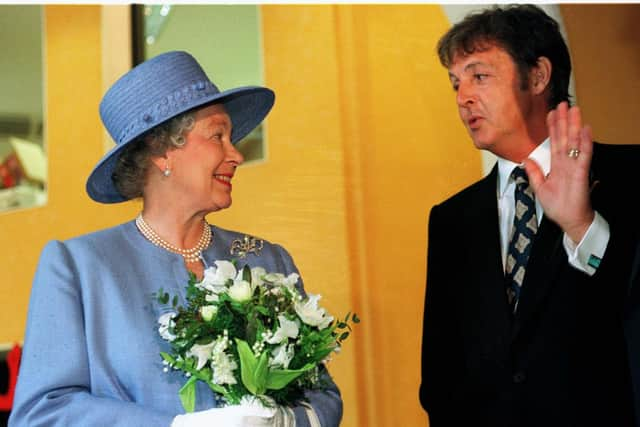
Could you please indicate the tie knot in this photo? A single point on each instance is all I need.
(519, 175)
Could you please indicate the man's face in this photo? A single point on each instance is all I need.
(492, 105)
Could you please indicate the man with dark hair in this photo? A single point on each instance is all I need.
(528, 268)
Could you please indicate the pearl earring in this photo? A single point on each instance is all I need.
(166, 171)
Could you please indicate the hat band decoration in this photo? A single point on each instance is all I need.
(165, 108)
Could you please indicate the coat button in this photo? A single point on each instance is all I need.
(519, 377)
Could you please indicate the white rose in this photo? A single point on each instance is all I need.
(208, 312)
(257, 276)
(241, 291)
(311, 314)
(287, 329)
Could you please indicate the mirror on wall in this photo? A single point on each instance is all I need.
(225, 39)
(23, 161)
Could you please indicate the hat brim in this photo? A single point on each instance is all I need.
(246, 106)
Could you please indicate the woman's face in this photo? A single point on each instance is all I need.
(203, 168)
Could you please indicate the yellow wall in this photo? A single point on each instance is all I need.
(360, 146)
(605, 49)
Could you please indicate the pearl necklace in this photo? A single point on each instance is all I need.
(190, 255)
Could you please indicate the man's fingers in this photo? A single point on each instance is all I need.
(553, 130)
(586, 141)
(574, 127)
(560, 139)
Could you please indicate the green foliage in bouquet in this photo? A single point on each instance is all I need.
(249, 332)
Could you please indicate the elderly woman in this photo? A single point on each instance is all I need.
(91, 355)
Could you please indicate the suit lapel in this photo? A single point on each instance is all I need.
(486, 298)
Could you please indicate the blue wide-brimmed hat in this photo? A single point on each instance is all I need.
(158, 90)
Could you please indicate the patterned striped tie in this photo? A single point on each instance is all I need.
(525, 225)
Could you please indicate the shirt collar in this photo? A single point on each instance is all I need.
(541, 154)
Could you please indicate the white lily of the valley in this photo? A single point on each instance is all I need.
(202, 353)
(222, 364)
(311, 314)
(287, 329)
(166, 322)
(241, 291)
(282, 356)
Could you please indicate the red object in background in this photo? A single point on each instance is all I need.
(6, 179)
(11, 171)
(13, 362)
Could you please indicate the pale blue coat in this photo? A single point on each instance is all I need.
(91, 353)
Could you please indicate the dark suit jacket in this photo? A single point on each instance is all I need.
(632, 327)
(562, 359)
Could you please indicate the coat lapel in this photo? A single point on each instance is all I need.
(486, 298)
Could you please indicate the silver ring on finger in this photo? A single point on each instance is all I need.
(573, 153)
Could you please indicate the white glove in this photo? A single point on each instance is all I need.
(280, 416)
(250, 413)
(228, 416)
(283, 417)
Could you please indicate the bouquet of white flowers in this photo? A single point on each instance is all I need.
(249, 332)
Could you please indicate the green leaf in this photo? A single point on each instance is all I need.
(180, 343)
(192, 278)
(238, 307)
(263, 310)
(248, 365)
(167, 357)
(246, 274)
(260, 375)
(204, 340)
(163, 297)
(355, 318)
(342, 325)
(321, 354)
(346, 318)
(344, 336)
(215, 387)
(279, 378)
(188, 395)
(175, 301)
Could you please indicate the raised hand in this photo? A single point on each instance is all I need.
(564, 193)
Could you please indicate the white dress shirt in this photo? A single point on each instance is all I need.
(581, 256)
